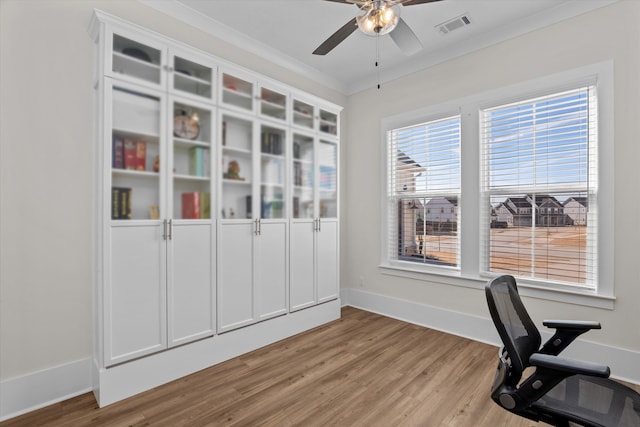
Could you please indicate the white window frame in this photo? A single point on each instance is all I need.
(469, 272)
(431, 194)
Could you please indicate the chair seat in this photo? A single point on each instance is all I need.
(592, 401)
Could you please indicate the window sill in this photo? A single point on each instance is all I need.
(533, 290)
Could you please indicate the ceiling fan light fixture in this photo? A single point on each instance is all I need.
(379, 20)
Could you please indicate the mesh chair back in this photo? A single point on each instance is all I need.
(516, 329)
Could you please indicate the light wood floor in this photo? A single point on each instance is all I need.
(362, 370)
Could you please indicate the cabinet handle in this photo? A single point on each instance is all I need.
(318, 224)
(170, 229)
(164, 230)
(256, 231)
(259, 227)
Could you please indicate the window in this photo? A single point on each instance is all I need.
(539, 155)
(423, 192)
(527, 184)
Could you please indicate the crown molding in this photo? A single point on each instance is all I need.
(222, 31)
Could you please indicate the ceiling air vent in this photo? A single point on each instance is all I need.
(453, 24)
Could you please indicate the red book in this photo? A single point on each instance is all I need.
(130, 161)
(190, 205)
(141, 156)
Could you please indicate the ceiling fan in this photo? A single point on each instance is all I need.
(380, 17)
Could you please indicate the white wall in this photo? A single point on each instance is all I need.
(610, 33)
(46, 59)
(46, 169)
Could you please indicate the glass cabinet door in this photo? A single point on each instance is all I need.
(192, 132)
(273, 103)
(237, 92)
(135, 144)
(272, 172)
(303, 114)
(327, 170)
(191, 77)
(303, 176)
(135, 59)
(328, 122)
(236, 167)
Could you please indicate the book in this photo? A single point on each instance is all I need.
(205, 205)
(117, 154)
(130, 160)
(271, 143)
(191, 205)
(141, 156)
(120, 203)
(199, 161)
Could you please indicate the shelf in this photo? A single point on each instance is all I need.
(135, 173)
(190, 143)
(183, 76)
(272, 156)
(191, 177)
(272, 185)
(241, 151)
(235, 182)
(136, 135)
(130, 66)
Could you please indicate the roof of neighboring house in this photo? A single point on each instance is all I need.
(507, 207)
(403, 158)
(452, 200)
(518, 202)
(584, 201)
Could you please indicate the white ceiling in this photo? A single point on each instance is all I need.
(287, 31)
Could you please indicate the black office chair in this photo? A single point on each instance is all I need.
(559, 391)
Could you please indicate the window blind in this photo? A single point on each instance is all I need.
(424, 192)
(539, 188)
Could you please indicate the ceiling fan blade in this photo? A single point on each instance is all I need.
(336, 38)
(405, 38)
(412, 2)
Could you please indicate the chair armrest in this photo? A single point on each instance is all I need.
(572, 324)
(566, 332)
(569, 366)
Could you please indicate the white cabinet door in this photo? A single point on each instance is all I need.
(302, 275)
(327, 260)
(135, 293)
(191, 291)
(271, 270)
(235, 274)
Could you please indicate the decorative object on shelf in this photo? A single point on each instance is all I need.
(185, 126)
(156, 164)
(136, 53)
(154, 212)
(233, 171)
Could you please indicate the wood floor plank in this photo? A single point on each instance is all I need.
(361, 370)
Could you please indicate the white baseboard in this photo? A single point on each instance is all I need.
(623, 363)
(39, 389)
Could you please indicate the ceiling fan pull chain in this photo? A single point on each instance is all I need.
(378, 58)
